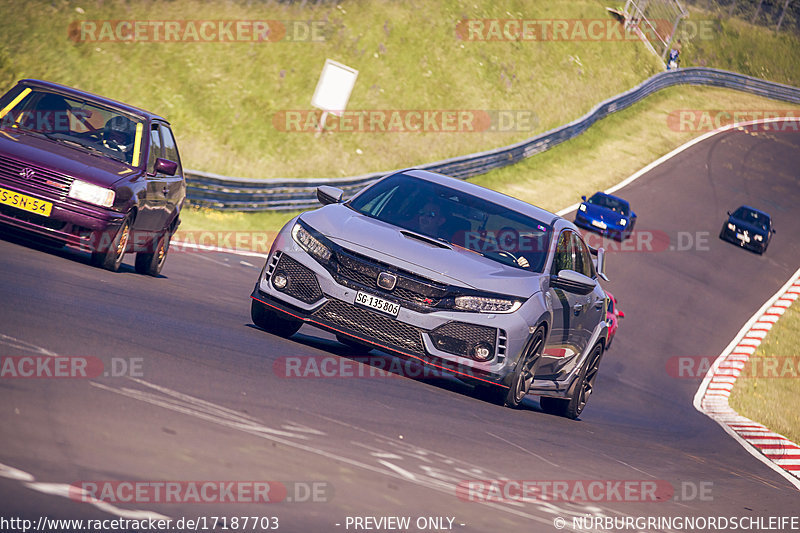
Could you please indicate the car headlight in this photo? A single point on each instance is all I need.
(623, 222)
(759, 237)
(94, 194)
(583, 207)
(309, 243)
(731, 227)
(482, 304)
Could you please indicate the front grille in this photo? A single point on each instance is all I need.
(303, 284)
(364, 271)
(36, 177)
(459, 338)
(372, 324)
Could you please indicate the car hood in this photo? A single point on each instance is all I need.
(384, 242)
(51, 155)
(601, 213)
(750, 228)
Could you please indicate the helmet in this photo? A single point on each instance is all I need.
(118, 134)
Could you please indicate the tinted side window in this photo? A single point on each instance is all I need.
(584, 264)
(170, 148)
(155, 149)
(565, 256)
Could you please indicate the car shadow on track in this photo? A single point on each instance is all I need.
(61, 250)
(379, 364)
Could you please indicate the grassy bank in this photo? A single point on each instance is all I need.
(227, 99)
(610, 151)
(772, 401)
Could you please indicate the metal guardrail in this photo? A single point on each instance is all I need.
(205, 189)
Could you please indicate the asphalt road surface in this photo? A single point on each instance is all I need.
(203, 398)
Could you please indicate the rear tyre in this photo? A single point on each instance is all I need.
(151, 263)
(523, 375)
(580, 390)
(269, 320)
(109, 256)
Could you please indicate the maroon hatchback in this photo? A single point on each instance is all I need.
(79, 169)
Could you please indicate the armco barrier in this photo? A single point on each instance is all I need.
(244, 194)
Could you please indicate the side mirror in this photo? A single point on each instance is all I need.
(729, 213)
(601, 264)
(329, 195)
(572, 281)
(165, 166)
(773, 230)
(621, 314)
(583, 198)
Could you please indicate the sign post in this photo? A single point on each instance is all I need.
(333, 90)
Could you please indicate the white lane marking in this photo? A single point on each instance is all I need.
(218, 250)
(223, 263)
(551, 463)
(719, 410)
(75, 493)
(13, 342)
(389, 469)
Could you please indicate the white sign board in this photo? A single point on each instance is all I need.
(334, 87)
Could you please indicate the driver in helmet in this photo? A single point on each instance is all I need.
(117, 134)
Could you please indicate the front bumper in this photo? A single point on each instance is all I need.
(745, 241)
(70, 222)
(439, 338)
(614, 231)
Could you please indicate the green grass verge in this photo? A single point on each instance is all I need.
(222, 97)
(610, 151)
(772, 401)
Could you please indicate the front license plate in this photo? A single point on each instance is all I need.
(379, 304)
(598, 224)
(742, 237)
(25, 202)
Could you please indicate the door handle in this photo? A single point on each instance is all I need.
(598, 304)
(578, 308)
(165, 190)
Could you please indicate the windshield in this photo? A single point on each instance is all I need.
(754, 218)
(457, 218)
(76, 123)
(609, 202)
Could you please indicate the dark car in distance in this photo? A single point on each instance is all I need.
(87, 171)
(749, 228)
(608, 215)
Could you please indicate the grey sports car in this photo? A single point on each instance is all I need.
(498, 292)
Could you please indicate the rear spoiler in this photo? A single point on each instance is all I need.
(600, 263)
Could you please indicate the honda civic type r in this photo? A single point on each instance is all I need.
(497, 292)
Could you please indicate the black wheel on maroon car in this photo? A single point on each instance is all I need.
(523, 375)
(272, 321)
(109, 254)
(580, 390)
(151, 262)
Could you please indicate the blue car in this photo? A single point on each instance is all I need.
(606, 214)
(749, 228)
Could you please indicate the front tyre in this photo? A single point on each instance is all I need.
(523, 375)
(110, 256)
(269, 320)
(581, 389)
(151, 263)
